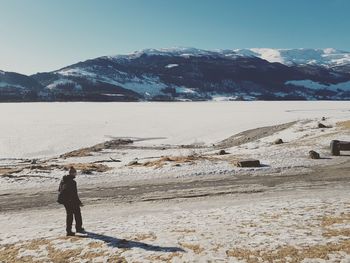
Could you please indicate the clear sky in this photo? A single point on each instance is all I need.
(44, 35)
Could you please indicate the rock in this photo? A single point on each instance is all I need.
(321, 125)
(278, 141)
(248, 163)
(33, 161)
(314, 155)
(86, 171)
(323, 118)
(337, 146)
(222, 152)
(134, 162)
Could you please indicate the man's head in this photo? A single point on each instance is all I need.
(72, 172)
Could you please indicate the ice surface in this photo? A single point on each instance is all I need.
(47, 129)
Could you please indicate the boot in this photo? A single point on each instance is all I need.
(80, 230)
(70, 234)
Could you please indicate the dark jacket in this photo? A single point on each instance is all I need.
(69, 191)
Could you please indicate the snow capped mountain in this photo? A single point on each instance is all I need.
(175, 51)
(177, 74)
(328, 57)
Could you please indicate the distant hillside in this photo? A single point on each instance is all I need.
(180, 74)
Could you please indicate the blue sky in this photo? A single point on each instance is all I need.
(44, 35)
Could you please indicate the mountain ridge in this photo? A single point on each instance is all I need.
(180, 74)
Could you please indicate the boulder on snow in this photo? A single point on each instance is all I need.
(248, 163)
(222, 152)
(314, 155)
(322, 126)
(134, 162)
(278, 141)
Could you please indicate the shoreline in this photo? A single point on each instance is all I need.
(156, 190)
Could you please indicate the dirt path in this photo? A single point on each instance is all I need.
(321, 177)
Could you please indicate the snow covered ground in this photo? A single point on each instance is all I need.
(290, 223)
(65, 127)
(288, 226)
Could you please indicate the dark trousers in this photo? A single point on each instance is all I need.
(73, 209)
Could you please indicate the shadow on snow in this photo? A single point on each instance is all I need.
(123, 243)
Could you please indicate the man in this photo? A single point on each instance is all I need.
(68, 196)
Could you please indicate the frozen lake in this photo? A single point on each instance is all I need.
(46, 129)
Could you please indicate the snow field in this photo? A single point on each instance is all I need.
(251, 228)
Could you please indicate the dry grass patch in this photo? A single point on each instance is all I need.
(197, 249)
(7, 171)
(88, 168)
(271, 216)
(59, 256)
(141, 237)
(344, 124)
(336, 232)
(88, 151)
(289, 254)
(249, 224)
(90, 256)
(95, 245)
(187, 231)
(217, 247)
(331, 220)
(10, 253)
(191, 159)
(165, 258)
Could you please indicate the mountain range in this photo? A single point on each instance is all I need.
(189, 74)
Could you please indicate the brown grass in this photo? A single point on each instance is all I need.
(83, 152)
(187, 231)
(95, 245)
(249, 224)
(7, 171)
(197, 249)
(217, 247)
(331, 220)
(165, 258)
(344, 124)
(88, 167)
(141, 237)
(191, 159)
(9, 253)
(336, 232)
(271, 216)
(293, 254)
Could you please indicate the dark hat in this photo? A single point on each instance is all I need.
(72, 171)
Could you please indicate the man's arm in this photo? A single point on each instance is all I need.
(76, 196)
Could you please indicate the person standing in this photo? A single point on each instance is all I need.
(68, 196)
